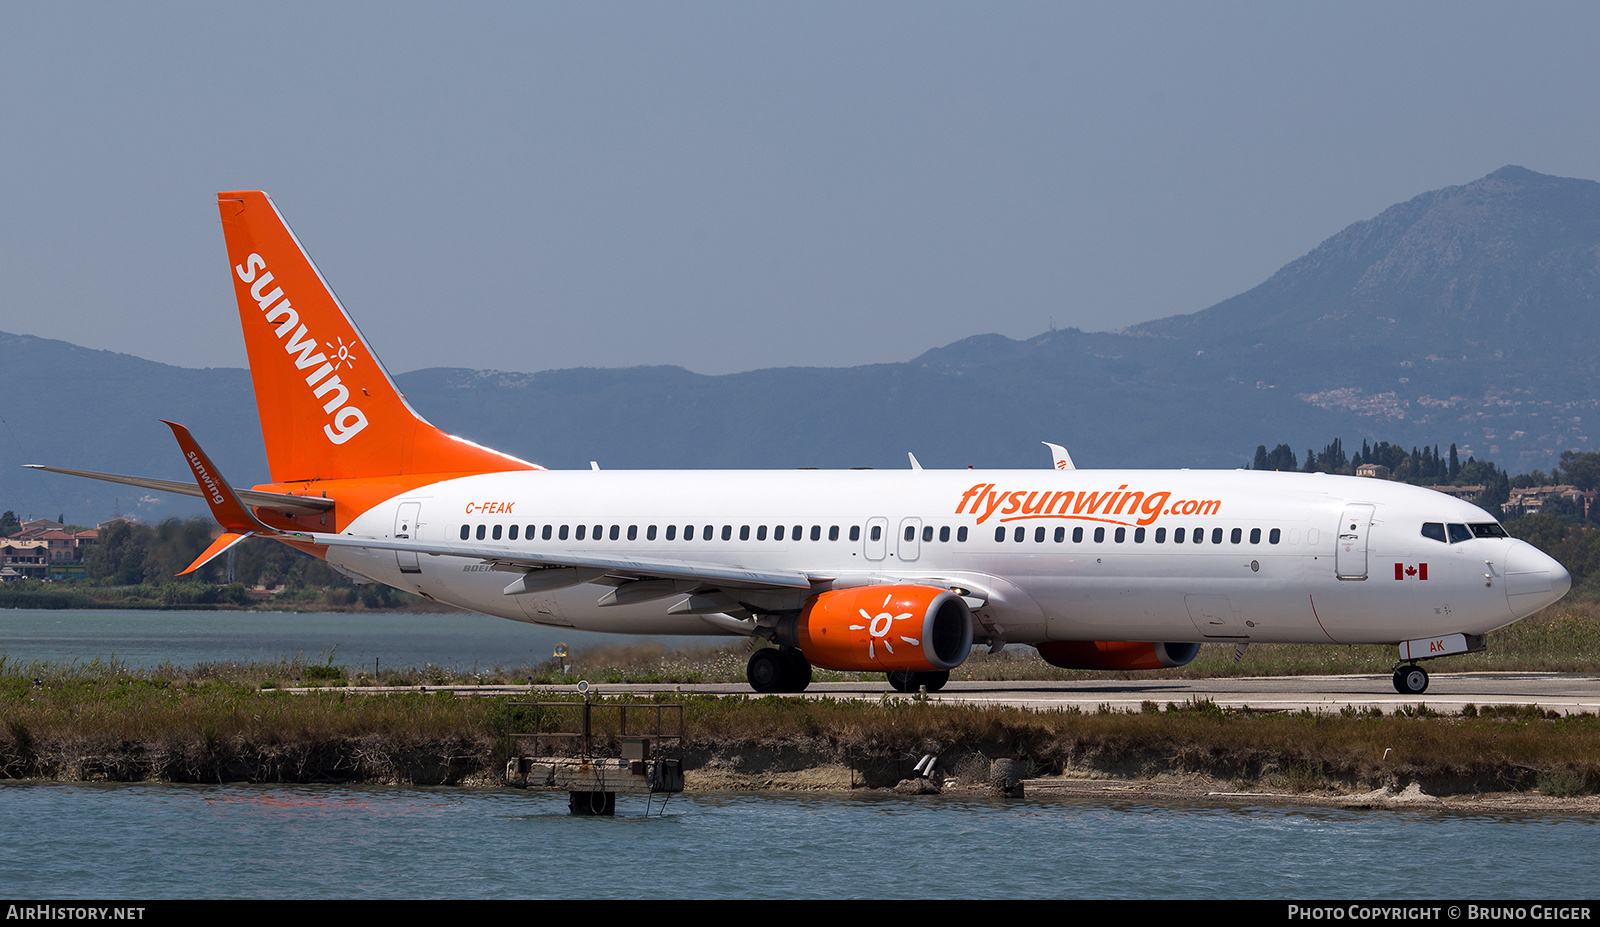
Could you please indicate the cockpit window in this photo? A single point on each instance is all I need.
(1490, 529)
(1435, 530)
(1459, 533)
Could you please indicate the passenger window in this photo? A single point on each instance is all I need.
(1237, 535)
(1000, 534)
(727, 532)
(816, 532)
(1121, 535)
(1138, 535)
(1459, 533)
(512, 534)
(744, 532)
(496, 533)
(616, 531)
(944, 534)
(688, 532)
(599, 532)
(1038, 535)
(1077, 535)
(1435, 530)
(580, 532)
(480, 532)
(529, 533)
(650, 533)
(709, 532)
(633, 532)
(1199, 536)
(1061, 535)
(961, 534)
(1161, 535)
(911, 532)
(1216, 535)
(877, 533)
(761, 532)
(564, 532)
(1020, 534)
(1255, 535)
(466, 532)
(795, 533)
(855, 532)
(1177, 536)
(927, 533)
(833, 532)
(672, 532)
(1275, 535)
(545, 534)
(777, 533)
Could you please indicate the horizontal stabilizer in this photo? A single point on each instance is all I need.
(276, 501)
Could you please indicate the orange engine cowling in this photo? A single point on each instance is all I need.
(882, 628)
(1116, 655)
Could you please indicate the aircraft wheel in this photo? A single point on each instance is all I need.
(766, 671)
(797, 675)
(934, 681)
(1411, 680)
(902, 680)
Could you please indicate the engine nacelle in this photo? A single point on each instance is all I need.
(1116, 655)
(882, 628)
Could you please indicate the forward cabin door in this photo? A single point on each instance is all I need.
(1350, 556)
(405, 526)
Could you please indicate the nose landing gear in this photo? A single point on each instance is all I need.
(1410, 679)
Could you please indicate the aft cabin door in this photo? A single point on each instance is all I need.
(1350, 557)
(405, 526)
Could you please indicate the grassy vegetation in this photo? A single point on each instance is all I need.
(231, 723)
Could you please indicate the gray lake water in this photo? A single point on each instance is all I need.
(168, 841)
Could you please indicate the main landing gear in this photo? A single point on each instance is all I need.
(778, 670)
(1410, 679)
(910, 681)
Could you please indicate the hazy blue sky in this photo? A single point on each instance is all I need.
(730, 186)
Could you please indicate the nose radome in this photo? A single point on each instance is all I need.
(1533, 579)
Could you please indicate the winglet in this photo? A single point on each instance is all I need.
(237, 520)
(1059, 456)
(224, 541)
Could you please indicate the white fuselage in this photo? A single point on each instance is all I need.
(1282, 557)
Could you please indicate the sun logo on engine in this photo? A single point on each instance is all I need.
(878, 628)
(341, 354)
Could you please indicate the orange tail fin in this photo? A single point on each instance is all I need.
(328, 408)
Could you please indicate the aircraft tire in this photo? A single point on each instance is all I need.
(797, 672)
(1411, 680)
(766, 670)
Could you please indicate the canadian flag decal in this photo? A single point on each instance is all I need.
(1404, 571)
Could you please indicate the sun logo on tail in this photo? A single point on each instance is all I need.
(342, 357)
(879, 627)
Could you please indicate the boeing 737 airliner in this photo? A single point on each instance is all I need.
(901, 572)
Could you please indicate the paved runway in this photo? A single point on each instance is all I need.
(1448, 694)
